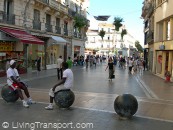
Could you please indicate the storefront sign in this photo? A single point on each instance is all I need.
(162, 47)
(6, 46)
(2, 54)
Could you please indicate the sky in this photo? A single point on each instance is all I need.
(129, 10)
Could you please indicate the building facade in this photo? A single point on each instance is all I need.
(163, 37)
(112, 43)
(44, 28)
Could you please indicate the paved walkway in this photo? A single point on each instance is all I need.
(155, 97)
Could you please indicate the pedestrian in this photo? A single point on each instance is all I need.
(38, 63)
(65, 83)
(59, 67)
(111, 68)
(141, 67)
(69, 62)
(86, 61)
(15, 84)
(130, 65)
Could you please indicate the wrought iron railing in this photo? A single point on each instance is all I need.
(48, 27)
(58, 29)
(36, 25)
(7, 18)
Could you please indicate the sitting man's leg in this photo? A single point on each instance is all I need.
(29, 100)
(52, 94)
(17, 88)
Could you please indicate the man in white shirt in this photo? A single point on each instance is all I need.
(59, 67)
(14, 83)
(65, 83)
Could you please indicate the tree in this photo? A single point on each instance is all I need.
(79, 22)
(102, 33)
(124, 32)
(138, 46)
(117, 23)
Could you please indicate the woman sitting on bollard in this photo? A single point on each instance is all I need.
(65, 83)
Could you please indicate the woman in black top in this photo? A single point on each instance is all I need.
(111, 68)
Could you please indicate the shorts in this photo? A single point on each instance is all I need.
(14, 86)
(58, 88)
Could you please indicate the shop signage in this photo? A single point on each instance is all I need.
(162, 47)
(5, 46)
(2, 54)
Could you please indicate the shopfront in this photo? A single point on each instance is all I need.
(12, 42)
(56, 47)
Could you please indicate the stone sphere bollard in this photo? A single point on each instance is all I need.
(8, 94)
(125, 106)
(64, 98)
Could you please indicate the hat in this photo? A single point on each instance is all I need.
(12, 62)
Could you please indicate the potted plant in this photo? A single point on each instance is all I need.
(79, 22)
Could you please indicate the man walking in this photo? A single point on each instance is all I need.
(59, 67)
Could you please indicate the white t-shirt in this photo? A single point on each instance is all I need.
(59, 62)
(11, 72)
(68, 74)
(130, 63)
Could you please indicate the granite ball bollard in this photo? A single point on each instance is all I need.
(125, 106)
(8, 94)
(64, 98)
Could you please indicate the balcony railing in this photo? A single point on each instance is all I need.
(7, 18)
(71, 12)
(77, 35)
(48, 27)
(44, 1)
(66, 32)
(36, 25)
(150, 37)
(58, 6)
(58, 29)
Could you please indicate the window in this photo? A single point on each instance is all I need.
(48, 19)
(108, 29)
(168, 30)
(36, 15)
(58, 22)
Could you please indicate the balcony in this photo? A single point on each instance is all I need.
(36, 25)
(44, 1)
(48, 27)
(150, 37)
(77, 35)
(71, 12)
(58, 29)
(58, 6)
(66, 32)
(7, 18)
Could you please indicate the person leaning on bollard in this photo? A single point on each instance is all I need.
(65, 83)
(13, 81)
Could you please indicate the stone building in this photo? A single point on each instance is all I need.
(161, 49)
(44, 28)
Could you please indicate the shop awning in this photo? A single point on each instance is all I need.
(21, 35)
(59, 40)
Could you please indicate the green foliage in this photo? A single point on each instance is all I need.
(124, 32)
(79, 22)
(117, 23)
(138, 46)
(102, 34)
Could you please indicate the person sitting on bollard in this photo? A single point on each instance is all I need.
(13, 81)
(65, 83)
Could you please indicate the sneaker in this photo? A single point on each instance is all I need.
(30, 101)
(50, 107)
(25, 104)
